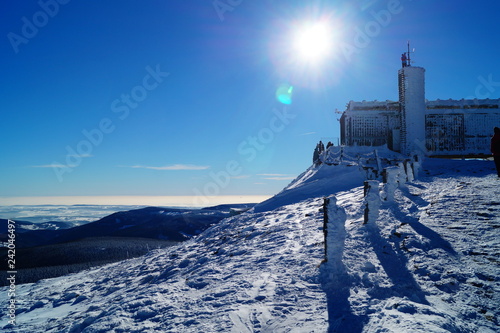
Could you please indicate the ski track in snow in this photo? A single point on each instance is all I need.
(430, 263)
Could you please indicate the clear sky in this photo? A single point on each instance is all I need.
(179, 97)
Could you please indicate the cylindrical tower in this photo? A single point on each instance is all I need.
(412, 103)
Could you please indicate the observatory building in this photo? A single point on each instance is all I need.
(414, 124)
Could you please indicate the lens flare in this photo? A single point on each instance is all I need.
(284, 94)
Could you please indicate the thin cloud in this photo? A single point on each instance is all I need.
(308, 133)
(53, 165)
(82, 155)
(280, 178)
(171, 167)
(276, 176)
(241, 177)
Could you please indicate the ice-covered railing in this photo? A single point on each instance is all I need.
(336, 155)
(375, 193)
(372, 160)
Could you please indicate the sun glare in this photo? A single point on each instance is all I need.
(306, 52)
(312, 42)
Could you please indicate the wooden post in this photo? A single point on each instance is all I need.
(366, 189)
(334, 231)
(379, 164)
(372, 200)
(384, 175)
(326, 202)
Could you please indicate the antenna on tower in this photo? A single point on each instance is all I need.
(409, 54)
(409, 59)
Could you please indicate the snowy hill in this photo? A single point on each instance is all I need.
(429, 263)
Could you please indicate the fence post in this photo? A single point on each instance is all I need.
(372, 201)
(379, 164)
(326, 202)
(334, 218)
(409, 171)
(402, 174)
(390, 182)
(416, 166)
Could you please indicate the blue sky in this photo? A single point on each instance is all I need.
(179, 97)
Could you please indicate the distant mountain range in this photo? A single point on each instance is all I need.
(26, 226)
(171, 224)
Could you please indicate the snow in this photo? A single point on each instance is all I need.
(373, 105)
(446, 104)
(427, 262)
(472, 104)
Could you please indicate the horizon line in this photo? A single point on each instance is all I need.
(133, 200)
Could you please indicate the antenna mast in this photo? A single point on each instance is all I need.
(409, 59)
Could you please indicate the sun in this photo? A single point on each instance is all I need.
(312, 41)
(306, 51)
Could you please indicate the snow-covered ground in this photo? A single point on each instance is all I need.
(429, 263)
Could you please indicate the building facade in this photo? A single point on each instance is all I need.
(416, 125)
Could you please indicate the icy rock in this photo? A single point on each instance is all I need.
(79, 299)
(145, 313)
(38, 304)
(65, 298)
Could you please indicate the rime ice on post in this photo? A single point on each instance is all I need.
(334, 229)
(391, 183)
(409, 171)
(416, 166)
(372, 201)
(379, 163)
(401, 174)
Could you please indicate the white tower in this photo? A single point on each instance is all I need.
(412, 101)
